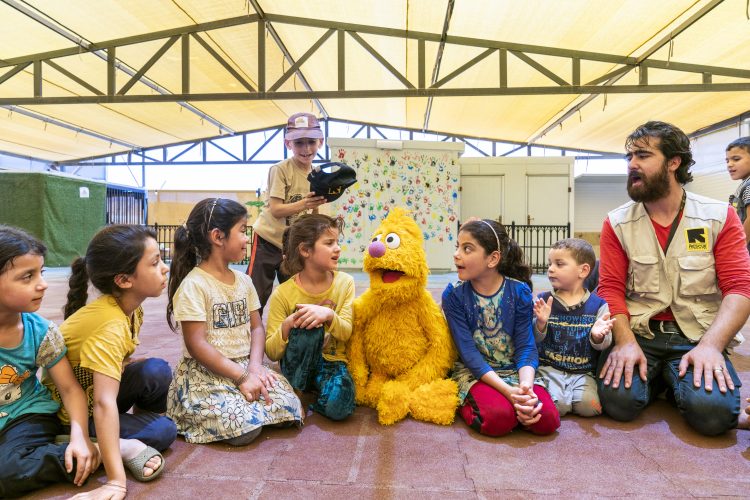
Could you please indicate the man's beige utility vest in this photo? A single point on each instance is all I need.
(685, 278)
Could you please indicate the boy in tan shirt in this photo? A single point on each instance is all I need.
(288, 197)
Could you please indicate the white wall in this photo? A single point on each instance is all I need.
(710, 177)
(516, 173)
(595, 196)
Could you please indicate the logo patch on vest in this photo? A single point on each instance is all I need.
(696, 239)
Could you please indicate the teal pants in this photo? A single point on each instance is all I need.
(306, 369)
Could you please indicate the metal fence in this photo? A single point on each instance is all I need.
(536, 240)
(126, 205)
(165, 239)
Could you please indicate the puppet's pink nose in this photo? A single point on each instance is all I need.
(376, 249)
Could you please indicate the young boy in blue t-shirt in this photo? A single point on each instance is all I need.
(570, 325)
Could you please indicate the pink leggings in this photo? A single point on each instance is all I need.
(490, 413)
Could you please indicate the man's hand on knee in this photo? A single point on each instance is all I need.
(621, 361)
(708, 363)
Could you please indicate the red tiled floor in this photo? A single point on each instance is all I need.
(412, 454)
(658, 455)
(318, 452)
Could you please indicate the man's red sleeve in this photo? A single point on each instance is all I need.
(732, 259)
(613, 270)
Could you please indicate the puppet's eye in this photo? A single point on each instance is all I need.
(377, 238)
(392, 240)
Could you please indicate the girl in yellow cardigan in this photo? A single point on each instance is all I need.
(310, 316)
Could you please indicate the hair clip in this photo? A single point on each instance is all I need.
(211, 213)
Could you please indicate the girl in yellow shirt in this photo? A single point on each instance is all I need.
(124, 263)
(310, 316)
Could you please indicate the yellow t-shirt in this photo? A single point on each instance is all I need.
(99, 337)
(224, 308)
(288, 182)
(338, 297)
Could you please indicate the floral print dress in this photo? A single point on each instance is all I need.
(205, 406)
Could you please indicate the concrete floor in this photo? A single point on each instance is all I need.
(655, 456)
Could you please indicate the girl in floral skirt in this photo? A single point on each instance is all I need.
(221, 391)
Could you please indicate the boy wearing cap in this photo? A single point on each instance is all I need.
(288, 196)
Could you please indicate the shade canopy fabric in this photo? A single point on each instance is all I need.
(80, 79)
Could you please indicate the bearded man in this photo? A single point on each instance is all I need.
(676, 275)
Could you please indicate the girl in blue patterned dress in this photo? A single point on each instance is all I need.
(489, 313)
(221, 391)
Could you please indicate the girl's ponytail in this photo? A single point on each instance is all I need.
(184, 259)
(290, 261)
(78, 287)
(513, 264)
(114, 250)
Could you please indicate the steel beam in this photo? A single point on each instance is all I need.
(128, 40)
(74, 77)
(265, 143)
(11, 73)
(438, 60)
(139, 74)
(382, 60)
(82, 45)
(461, 69)
(734, 121)
(373, 94)
(449, 39)
(236, 74)
(221, 148)
(341, 47)
(295, 68)
(559, 86)
(174, 158)
(69, 126)
(150, 154)
(263, 18)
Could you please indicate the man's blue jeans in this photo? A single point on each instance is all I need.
(710, 413)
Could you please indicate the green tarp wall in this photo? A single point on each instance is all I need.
(51, 208)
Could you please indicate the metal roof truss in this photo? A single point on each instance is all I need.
(344, 33)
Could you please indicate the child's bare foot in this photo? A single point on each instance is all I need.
(744, 420)
(131, 448)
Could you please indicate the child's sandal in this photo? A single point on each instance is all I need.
(136, 464)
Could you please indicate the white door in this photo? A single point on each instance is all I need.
(547, 199)
(482, 196)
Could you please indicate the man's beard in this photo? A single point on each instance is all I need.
(651, 188)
